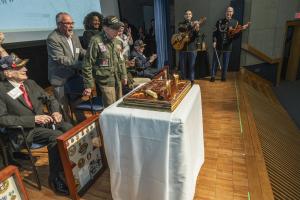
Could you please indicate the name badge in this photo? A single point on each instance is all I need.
(15, 93)
(77, 50)
(102, 47)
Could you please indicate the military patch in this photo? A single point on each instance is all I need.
(103, 62)
(102, 47)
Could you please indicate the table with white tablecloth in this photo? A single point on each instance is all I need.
(154, 155)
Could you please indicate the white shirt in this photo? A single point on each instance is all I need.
(69, 40)
(15, 84)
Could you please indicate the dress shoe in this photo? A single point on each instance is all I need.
(212, 79)
(192, 82)
(223, 79)
(58, 186)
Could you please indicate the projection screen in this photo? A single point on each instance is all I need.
(31, 20)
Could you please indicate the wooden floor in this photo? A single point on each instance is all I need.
(224, 173)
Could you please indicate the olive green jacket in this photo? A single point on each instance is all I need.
(103, 62)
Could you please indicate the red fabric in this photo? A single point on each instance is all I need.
(25, 96)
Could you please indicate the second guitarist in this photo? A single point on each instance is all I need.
(187, 55)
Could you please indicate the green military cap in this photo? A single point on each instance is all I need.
(112, 22)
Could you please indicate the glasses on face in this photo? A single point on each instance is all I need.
(67, 23)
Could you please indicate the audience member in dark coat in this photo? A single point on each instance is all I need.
(21, 104)
(142, 63)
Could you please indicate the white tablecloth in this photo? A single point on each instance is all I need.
(154, 155)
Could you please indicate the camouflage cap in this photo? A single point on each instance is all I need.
(12, 62)
(112, 22)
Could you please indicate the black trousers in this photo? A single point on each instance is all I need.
(48, 136)
(45, 136)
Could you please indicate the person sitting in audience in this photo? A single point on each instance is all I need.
(3, 53)
(141, 34)
(130, 28)
(92, 25)
(21, 104)
(143, 65)
(126, 40)
(64, 56)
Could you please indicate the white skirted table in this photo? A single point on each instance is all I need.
(152, 154)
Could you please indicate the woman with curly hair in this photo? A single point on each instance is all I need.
(92, 25)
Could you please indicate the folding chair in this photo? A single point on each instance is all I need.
(73, 90)
(5, 150)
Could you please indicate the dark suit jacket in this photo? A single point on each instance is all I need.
(61, 62)
(16, 111)
(143, 66)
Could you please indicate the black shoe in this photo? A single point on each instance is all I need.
(58, 186)
(212, 79)
(223, 79)
(192, 82)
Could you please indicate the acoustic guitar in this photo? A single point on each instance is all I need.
(179, 40)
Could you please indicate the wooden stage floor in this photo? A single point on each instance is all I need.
(224, 173)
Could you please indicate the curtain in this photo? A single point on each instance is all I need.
(162, 32)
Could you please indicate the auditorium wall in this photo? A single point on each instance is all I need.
(267, 30)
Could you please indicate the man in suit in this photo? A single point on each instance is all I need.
(64, 55)
(21, 104)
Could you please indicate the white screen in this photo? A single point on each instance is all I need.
(29, 20)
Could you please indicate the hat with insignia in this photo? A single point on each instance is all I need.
(12, 62)
(139, 43)
(112, 22)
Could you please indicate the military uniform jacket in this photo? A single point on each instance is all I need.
(103, 62)
(61, 62)
(220, 35)
(16, 112)
(186, 26)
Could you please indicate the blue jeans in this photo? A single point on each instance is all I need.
(225, 59)
(187, 59)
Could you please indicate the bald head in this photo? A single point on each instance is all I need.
(229, 12)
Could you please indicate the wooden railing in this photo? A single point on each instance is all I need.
(259, 54)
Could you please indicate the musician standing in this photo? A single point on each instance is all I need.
(187, 56)
(222, 42)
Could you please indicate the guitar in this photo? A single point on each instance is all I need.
(179, 40)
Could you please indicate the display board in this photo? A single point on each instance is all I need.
(11, 185)
(82, 155)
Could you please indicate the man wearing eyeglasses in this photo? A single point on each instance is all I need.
(64, 55)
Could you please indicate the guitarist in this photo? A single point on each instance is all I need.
(187, 55)
(225, 32)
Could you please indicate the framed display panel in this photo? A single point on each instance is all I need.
(82, 154)
(11, 185)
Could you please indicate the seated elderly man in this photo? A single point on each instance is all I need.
(21, 104)
(143, 65)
